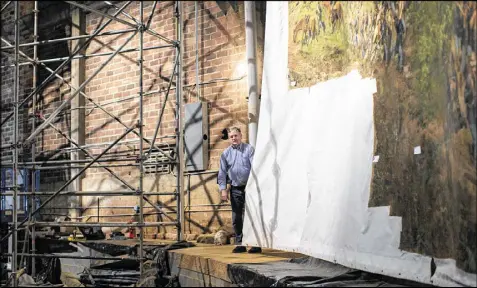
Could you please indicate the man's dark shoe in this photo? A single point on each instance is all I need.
(255, 250)
(239, 249)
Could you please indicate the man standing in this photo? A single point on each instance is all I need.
(235, 166)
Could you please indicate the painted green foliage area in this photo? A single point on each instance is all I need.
(422, 55)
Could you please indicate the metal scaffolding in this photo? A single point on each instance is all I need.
(137, 28)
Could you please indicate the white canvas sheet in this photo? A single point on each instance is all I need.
(310, 182)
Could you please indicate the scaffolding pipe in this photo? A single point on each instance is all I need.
(97, 166)
(213, 81)
(129, 207)
(84, 7)
(81, 87)
(202, 172)
(163, 107)
(122, 12)
(5, 6)
(90, 155)
(178, 44)
(179, 128)
(101, 224)
(97, 105)
(141, 138)
(33, 145)
(69, 182)
(93, 193)
(68, 161)
(131, 214)
(109, 33)
(120, 143)
(150, 16)
(61, 66)
(15, 150)
(68, 256)
(250, 45)
(106, 53)
(188, 198)
(88, 98)
(197, 83)
(158, 209)
(52, 60)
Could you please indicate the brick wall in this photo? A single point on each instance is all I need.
(7, 80)
(221, 70)
(224, 88)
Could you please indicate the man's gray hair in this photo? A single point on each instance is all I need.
(235, 129)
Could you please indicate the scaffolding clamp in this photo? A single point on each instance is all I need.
(39, 115)
(141, 27)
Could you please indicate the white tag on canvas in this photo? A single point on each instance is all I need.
(376, 159)
(417, 150)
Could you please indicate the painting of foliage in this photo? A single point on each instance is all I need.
(423, 57)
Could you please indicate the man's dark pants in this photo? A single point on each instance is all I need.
(237, 200)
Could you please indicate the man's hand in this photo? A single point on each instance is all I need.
(224, 195)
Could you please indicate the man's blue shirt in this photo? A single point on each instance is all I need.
(236, 163)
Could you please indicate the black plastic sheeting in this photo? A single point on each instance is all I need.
(157, 273)
(309, 272)
(111, 249)
(123, 272)
(50, 246)
(48, 270)
(120, 265)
